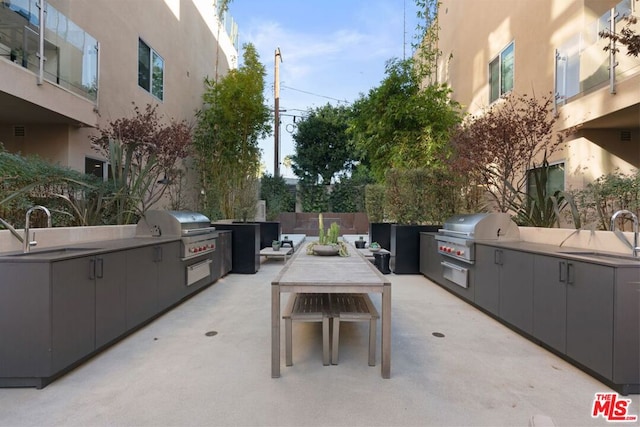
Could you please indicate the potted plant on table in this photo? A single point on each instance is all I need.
(327, 243)
(275, 245)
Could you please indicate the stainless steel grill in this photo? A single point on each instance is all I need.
(194, 230)
(459, 234)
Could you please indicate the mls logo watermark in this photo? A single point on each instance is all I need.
(612, 408)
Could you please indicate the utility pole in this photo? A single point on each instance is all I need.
(276, 126)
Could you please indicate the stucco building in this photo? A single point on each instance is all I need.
(100, 56)
(492, 47)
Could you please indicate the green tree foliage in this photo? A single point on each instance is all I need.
(274, 191)
(600, 199)
(72, 197)
(233, 119)
(322, 148)
(401, 125)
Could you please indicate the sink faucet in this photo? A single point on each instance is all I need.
(636, 248)
(28, 242)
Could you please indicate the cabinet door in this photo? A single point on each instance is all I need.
(110, 297)
(142, 285)
(487, 278)
(72, 311)
(171, 276)
(590, 315)
(516, 289)
(550, 301)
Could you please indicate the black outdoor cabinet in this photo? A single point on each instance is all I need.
(405, 247)
(380, 232)
(245, 246)
(269, 231)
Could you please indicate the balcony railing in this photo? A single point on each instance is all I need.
(583, 65)
(69, 54)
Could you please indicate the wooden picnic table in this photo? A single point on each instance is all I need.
(330, 274)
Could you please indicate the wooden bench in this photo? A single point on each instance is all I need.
(307, 308)
(353, 308)
(283, 253)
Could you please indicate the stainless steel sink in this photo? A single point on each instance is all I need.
(51, 252)
(602, 255)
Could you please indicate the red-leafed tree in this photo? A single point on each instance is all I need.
(143, 152)
(494, 149)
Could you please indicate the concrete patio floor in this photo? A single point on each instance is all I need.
(171, 373)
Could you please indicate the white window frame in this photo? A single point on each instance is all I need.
(499, 57)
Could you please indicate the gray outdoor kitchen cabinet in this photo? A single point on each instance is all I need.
(87, 306)
(574, 310)
(53, 314)
(504, 284)
(154, 281)
(430, 258)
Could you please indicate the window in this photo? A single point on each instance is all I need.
(150, 70)
(94, 167)
(555, 179)
(501, 73)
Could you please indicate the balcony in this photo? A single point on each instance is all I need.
(51, 65)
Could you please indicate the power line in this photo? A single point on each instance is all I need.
(315, 94)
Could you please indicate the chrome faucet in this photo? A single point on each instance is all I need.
(28, 242)
(636, 249)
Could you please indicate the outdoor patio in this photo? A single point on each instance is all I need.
(172, 372)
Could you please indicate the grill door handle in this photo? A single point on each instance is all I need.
(92, 269)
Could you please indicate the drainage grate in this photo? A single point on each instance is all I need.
(211, 333)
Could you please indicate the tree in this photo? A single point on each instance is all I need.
(233, 119)
(323, 147)
(142, 151)
(626, 37)
(495, 148)
(274, 191)
(401, 125)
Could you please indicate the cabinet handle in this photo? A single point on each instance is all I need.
(562, 272)
(570, 273)
(100, 268)
(497, 257)
(157, 254)
(92, 269)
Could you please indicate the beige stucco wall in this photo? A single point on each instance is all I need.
(184, 32)
(474, 32)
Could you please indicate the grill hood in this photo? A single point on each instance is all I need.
(481, 226)
(173, 223)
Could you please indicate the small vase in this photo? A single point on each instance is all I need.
(275, 247)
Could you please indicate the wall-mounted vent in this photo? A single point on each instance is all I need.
(19, 131)
(625, 135)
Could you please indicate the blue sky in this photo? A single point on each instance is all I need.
(332, 51)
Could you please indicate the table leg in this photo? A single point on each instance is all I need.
(386, 331)
(275, 331)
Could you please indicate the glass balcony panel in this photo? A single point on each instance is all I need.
(71, 59)
(582, 64)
